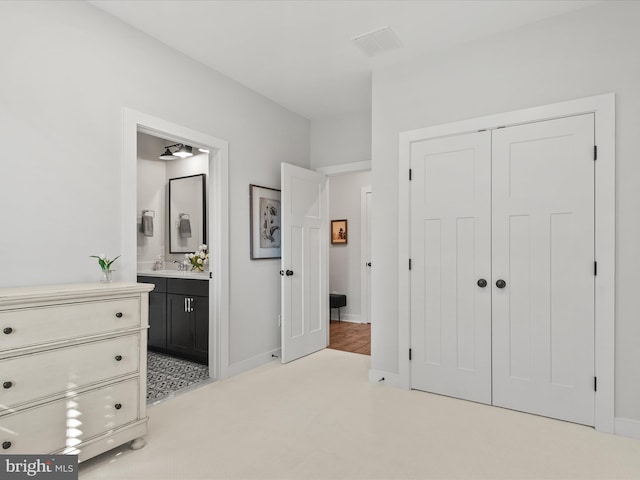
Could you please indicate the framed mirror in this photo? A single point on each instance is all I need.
(187, 213)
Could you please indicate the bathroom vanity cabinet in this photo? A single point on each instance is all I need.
(179, 317)
(73, 364)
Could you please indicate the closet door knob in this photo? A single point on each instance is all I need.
(7, 384)
(282, 273)
(119, 315)
(7, 331)
(501, 283)
(118, 358)
(118, 406)
(482, 283)
(6, 445)
(289, 273)
(368, 264)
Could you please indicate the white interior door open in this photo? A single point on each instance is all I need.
(451, 266)
(543, 255)
(305, 253)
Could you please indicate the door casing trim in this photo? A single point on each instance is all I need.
(603, 106)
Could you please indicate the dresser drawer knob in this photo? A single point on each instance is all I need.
(118, 406)
(7, 384)
(8, 331)
(6, 445)
(119, 315)
(118, 358)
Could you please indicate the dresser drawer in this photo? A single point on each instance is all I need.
(32, 377)
(31, 326)
(67, 422)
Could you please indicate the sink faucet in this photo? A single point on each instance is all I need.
(181, 265)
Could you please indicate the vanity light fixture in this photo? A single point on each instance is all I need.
(184, 151)
(181, 151)
(167, 155)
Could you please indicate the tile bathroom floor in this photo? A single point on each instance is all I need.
(168, 376)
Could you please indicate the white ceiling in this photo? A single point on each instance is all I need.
(301, 54)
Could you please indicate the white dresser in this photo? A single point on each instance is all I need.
(73, 368)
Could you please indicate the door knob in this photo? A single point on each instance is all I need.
(289, 273)
(282, 273)
(368, 264)
(501, 283)
(7, 331)
(482, 283)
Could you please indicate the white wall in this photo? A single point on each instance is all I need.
(341, 139)
(152, 195)
(345, 260)
(588, 52)
(68, 69)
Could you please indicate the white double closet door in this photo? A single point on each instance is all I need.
(502, 274)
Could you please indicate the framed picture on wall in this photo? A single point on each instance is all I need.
(266, 217)
(339, 232)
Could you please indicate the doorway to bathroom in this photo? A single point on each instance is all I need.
(176, 182)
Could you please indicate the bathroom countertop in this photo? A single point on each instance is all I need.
(175, 274)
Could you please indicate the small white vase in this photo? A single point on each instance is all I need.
(107, 276)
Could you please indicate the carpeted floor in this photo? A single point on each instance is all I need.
(167, 375)
(320, 418)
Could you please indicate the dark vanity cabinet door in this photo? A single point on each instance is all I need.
(157, 334)
(178, 324)
(201, 329)
(188, 318)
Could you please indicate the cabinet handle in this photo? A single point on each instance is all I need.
(118, 406)
(119, 315)
(7, 331)
(6, 445)
(118, 358)
(7, 384)
(190, 305)
(185, 305)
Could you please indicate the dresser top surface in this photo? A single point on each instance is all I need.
(76, 290)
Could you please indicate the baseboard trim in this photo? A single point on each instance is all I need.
(349, 317)
(253, 362)
(625, 427)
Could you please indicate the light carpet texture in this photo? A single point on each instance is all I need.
(319, 417)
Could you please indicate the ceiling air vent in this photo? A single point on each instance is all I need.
(378, 41)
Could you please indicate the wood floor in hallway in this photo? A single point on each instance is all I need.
(350, 337)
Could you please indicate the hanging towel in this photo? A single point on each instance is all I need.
(184, 228)
(146, 226)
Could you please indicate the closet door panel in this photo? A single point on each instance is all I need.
(543, 249)
(450, 252)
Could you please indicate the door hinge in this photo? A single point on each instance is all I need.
(595, 152)
(409, 174)
(595, 384)
(595, 268)
(409, 354)
(409, 264)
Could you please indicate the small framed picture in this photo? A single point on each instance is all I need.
(339, 231)
(265, 216)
